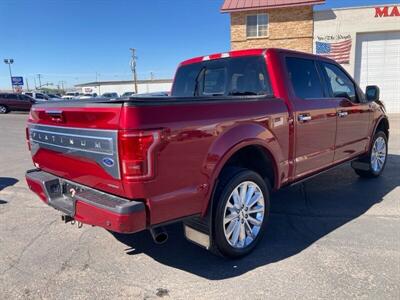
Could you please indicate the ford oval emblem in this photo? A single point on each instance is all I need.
(108, 162)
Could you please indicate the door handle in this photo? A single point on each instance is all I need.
(342, 114)
(304, 118)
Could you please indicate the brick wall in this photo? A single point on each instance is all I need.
(290, 28)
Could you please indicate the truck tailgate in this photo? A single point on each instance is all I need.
(78, 141)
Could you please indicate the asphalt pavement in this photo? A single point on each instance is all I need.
(334, 237)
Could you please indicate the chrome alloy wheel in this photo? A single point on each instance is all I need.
(244, 214)
(378, 154)
(3, 109)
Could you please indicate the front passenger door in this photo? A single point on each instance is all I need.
(353, 113)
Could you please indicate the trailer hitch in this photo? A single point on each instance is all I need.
(68, 219)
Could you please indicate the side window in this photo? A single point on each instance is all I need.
(12, 96)
(24, 98)
(304, 77)
(257, 25)
(39, 96)
(339, 84)
(29, 94)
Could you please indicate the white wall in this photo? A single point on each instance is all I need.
(122, 88)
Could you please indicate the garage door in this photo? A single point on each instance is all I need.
(378, 63)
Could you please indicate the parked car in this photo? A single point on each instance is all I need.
(128, 94)
(70, 95)
(154, 94)
(53, 96)
(237, 126)
(15, 102)
(38, 96)
(110, 95)
(88, 96)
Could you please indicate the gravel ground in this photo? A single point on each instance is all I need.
(336, 236)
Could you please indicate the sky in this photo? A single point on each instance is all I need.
(72, 40)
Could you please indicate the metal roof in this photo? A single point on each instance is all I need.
(242, 5)
(96, 83)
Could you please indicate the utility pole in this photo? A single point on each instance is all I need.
(98, 85)
(40, 82)
(62, 84)
(34, 80)
(133, 68)
(151, 76)
(27, 84)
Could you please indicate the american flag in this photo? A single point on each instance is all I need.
(339, 51)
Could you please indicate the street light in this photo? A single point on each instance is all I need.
(9, 62)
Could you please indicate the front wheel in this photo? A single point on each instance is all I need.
(3, 109)
(376, 159)
(241, 213)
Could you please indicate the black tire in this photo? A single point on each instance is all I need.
(369, 171)
(228, 182)
(3, 109)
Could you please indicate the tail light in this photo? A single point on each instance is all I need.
(136, 150)
(28, 140)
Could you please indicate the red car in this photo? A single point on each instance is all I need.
(15, 102)
(236, 126)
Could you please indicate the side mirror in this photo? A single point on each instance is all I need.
(372, 93)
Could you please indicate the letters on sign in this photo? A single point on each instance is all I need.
(387, 11)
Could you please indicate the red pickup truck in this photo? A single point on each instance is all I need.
(236, 126)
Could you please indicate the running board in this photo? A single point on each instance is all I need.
(299, 181)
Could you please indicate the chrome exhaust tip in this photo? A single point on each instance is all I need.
(159, 235)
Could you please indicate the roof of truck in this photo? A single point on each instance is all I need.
(235, 53)
(247, 52)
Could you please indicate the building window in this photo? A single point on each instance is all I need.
(257, 25)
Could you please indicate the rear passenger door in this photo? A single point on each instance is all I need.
(314, 117)
(353, 112)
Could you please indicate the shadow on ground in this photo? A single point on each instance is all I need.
(6, 182)
(300, 216)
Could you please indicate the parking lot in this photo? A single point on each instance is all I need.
(336, 236)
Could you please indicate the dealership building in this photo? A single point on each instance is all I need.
(122, 86)
(364, 40)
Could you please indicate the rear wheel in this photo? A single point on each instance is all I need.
(3, 109)
(241, 213)
(375, 161)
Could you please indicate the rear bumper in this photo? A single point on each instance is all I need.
(87, 205)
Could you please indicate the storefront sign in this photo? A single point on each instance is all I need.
(17, 80)
(387, 11)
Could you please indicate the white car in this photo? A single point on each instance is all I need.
(38, 96)
(71, 95)
(88, 96)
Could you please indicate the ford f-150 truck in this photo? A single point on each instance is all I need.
(236, 126)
